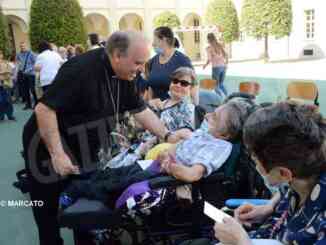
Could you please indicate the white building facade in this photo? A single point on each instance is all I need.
(307, 39)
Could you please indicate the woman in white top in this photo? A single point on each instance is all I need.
(217, 56)
(47, 63)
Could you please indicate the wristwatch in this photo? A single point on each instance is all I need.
(167, 135)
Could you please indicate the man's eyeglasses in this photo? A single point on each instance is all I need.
(183, 83)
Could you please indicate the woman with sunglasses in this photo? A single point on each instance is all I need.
(177, 112)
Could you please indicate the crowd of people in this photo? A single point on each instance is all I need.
(84, 102)
(25, 76)
(23, 79)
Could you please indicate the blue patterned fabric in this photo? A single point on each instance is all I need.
(205, 149)
(180, 115)
(292, 224)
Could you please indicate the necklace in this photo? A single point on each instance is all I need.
(116, 103)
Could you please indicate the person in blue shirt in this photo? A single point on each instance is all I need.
(166, 61)
(6, 108)
(26, 75)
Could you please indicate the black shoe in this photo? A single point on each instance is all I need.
(12, 118)
(27, 108)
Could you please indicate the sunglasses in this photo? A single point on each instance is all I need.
(183, 83)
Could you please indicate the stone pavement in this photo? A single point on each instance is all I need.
(16, 223)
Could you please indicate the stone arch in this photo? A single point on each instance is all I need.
(191, 39)
(18, 31)
(131, 21)
(97, 23)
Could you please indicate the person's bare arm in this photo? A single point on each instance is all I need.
(150, 93)
(185, 173)
(179, 171)
(226, 59)
(208, 58)
(248, 214)
(4, 73)
(206, 64)
(48, 127)
(156, 103)
(194, 94)
(151, 122)
(49, 131)
(183, 133)
(37, 68)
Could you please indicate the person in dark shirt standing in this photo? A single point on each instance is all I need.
(73, 119)
(162, 65)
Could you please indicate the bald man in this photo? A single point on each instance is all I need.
(73, 119)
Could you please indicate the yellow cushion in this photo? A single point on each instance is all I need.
(153, 153)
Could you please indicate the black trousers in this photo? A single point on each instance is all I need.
(46, 216)
(28, 89)
(20, 87)
(202, 241)
(45, 88)
(101, 183)
(107, 185)
(97, 186)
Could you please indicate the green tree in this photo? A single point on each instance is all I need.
(167, 19)
(60, 22)
(5, 44)
(264, 18)
(223, 14)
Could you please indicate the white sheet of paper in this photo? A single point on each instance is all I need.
(144, 163)
(214, 213)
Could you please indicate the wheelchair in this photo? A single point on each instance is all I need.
(170, 220)
(93, 222)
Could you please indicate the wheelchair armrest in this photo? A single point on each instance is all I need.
(216, 176)
(165, 181)
(169, 181)
(234, 203)
(88, 214)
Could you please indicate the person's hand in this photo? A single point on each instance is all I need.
(166, 160)
(146, 146)
(164, 163)
(174, 138)
(156, 103)
(163, 156)
(62, 164)
(183, 134)
(231, 232)
(248, 214)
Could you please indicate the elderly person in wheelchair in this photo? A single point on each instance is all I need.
(287, 142)
(188, 161)
(177, 112)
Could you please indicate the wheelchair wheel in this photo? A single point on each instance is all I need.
(101, 237)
